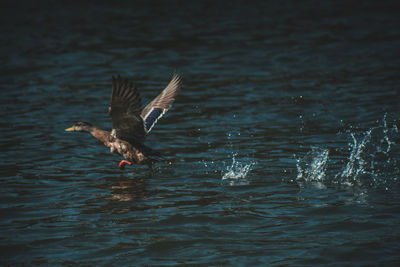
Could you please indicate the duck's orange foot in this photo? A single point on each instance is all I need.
(121, 165)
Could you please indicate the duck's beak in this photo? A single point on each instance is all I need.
(70, 129)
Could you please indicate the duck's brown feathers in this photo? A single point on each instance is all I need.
(124, 148)
(129, 121)
(125, 110)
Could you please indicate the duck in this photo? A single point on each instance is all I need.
(131, 123)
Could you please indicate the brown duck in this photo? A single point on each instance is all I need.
(130, 123)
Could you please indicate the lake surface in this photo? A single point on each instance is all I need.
(283, 146)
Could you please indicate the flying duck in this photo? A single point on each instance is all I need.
(130, 123)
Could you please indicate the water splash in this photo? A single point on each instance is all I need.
(237, 172)
(356, 164)
(312, 167)
(373, 161)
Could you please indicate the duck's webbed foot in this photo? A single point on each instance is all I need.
(121, 165)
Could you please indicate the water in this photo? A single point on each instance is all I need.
(283, 146)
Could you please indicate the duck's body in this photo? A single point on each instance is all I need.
(131, 124)
(136, 154)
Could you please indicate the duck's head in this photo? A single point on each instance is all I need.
(80, 126)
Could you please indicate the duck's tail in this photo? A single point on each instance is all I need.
(155, 156)
(150, 153)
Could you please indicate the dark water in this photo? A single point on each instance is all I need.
(284, 143)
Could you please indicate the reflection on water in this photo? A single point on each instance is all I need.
(282, 147)
(129, 189)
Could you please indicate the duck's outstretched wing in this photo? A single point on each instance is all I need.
(125, 110)
(157, 108)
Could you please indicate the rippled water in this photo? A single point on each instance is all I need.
(283, 146)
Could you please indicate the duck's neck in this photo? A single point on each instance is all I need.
(99, 134)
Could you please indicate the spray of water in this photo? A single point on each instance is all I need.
(234, 172)
(312, 167)
(373, 160)
(356, 164)
(237, 170)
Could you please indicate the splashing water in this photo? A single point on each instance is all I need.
(373, 161)
(356, 164)
(234, 173)
(237, 172)
(373, 158)
(312, 167)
